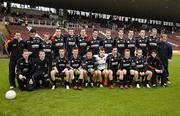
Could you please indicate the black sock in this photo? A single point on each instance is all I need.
(74, 82)
(54, 82)
(147, 81)
(110, 82)
(66, 83)
(120, 82)
(130, 80)
(80, 82)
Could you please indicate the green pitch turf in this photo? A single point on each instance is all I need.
(93, 102)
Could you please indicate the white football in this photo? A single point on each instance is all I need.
(11, 94)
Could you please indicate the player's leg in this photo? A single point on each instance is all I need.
(37, 77)
(99, 79)
(110, 77)
(80, 79)
(154, 78)
(67, 78)
(12, 65)
(149, 76)
(125, 78)
(71, 76)
(120, 77)
(133, 74)
(53, 78)
(85, 74)
(105, 77)
(137, 79)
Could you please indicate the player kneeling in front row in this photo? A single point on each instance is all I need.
(127, 65)
(156, 66)
(141, 68)
(113, 63)
(60, 69)
(42, 71)
(24, 72)
(101, 73)
(89, 66)
(76, 72)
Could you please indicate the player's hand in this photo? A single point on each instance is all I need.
(169, 60)
(142, 73)
(21, 77)
(157, 71)
(24, 77)
(161, 71)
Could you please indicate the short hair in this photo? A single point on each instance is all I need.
(130, 30)
(101, 49)
(46, 33)
(58, 28)
(138, 49)
(154, 29)
(62, 48)
(89, 50)
(32, 31)
(95, 30)
(17, 32)
(25, 50)
(41, 51)
(114, 47)
(120, 29)
(108, 30)
(154, 51)
(70, 29)
(75, 48)
(127, 50)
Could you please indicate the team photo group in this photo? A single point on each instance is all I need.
(78, 61)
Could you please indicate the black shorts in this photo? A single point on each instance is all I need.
(60, 74)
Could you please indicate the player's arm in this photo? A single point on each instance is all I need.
(19, 68)
(9, 47)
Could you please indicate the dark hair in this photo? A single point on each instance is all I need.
(120, 29)
(32, 31)
(127, 50)
(89, 50)
(95, 30)
(41, 51)
(75, 48)
(25, 50)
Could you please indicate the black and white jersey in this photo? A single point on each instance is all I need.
(108, 44)
(71, 42)
(113, 62)
(34, 46)
(25, 68)
(47, 47)
(15, 49)
(42, 66)
(142, 43)
(120, 44)
(61, 63)
(95, 44)
(153, 43)
(57, 44)
(131, 45)
(75, 63)
(127, 63)
(82, 46)
(89, 63)
(140, 63)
